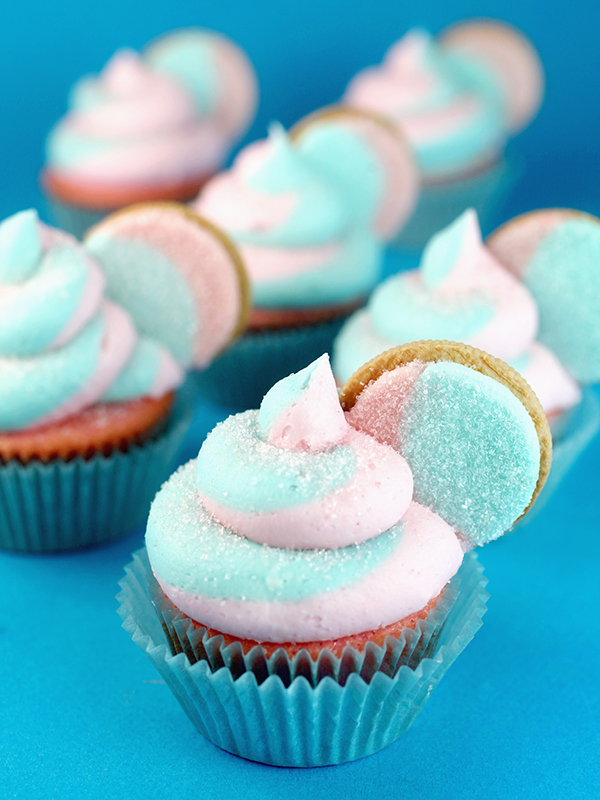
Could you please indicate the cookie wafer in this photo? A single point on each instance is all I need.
(420, 354)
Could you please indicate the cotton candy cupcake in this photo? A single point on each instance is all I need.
(151, 126)
(544, 325)
(91, 409)
(311, 569)
(309, 213)
(458, 98)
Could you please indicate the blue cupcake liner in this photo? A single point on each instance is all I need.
(573, 433)
(442, 203)
(75, 220)
(65, 505)
(240, 378)
(298, 712)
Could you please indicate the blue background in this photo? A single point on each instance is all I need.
(82, 714)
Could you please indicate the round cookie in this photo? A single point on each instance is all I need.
(394, 155)
(510, 56)
(180, 278)
(475, 459)
(556, 252)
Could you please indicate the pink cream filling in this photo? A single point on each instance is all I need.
(427, 556)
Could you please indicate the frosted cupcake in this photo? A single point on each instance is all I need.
(90, 421)
(311, 567)
(543, 325)
(309, 213)
(457, 97)
(150, 126)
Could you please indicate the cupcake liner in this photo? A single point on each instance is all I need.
(240, 378)
(441, 204)
(75, 220)
(64, 505)
(298, 712)
(571, 435)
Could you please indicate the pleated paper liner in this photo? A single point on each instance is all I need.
(571, 435)
(240, 378)
(300, 712)
(66, 505)
(440, 204)
(75, 220)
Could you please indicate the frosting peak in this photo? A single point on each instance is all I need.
(303, 411)
(452, 257)
(300, 477)
(20, 247)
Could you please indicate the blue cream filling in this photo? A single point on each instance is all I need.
(403, 310)
(144, 281)
(35, 315)
(239, 470)
(190, 550)
(283, 395)
(563, 276)
(454, 419)
(33, 387)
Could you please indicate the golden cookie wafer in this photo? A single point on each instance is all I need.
(202, 259)
(458, 353)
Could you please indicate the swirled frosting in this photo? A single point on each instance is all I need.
(294, 526)
(307, 239)
(63, 347)
(140, 122)
(450, 106)
(461, 293)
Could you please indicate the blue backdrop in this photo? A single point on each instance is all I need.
(82, 714)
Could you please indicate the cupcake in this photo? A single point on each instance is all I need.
(457, 97)
(151, 126)
(311, 569)
(463, 290)
(309, 212)
(91, 415)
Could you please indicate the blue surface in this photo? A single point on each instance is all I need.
(82, 713)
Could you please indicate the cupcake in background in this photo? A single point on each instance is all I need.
(539, 314)
(151, 126)
(310, 212)
(310, 569)
(92, 411)
(458, 98)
